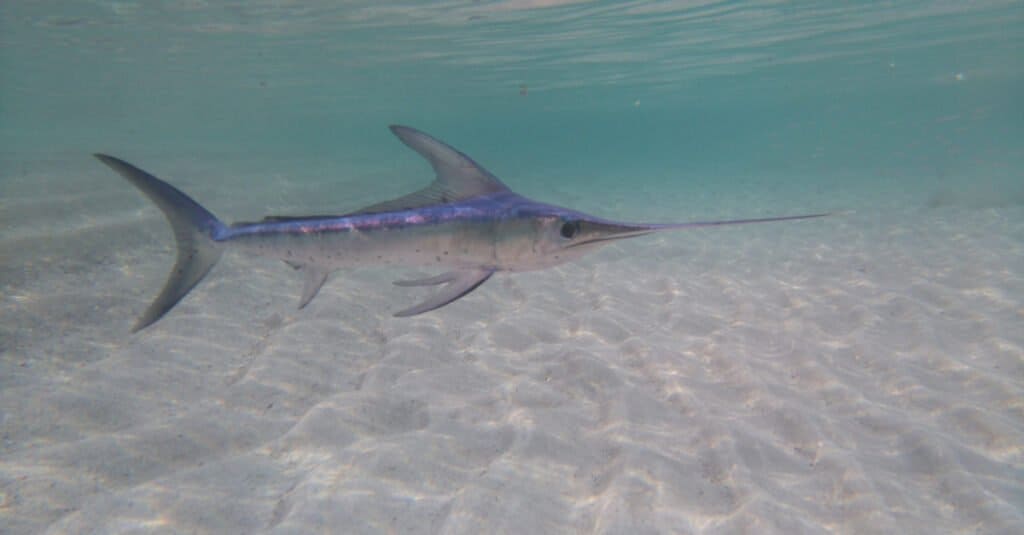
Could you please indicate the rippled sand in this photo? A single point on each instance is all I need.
(862, 374)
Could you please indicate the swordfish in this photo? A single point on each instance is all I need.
(466, 222)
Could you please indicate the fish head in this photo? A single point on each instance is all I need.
(547, 236)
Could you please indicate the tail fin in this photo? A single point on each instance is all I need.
(194, 230)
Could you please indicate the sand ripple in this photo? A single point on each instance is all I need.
(849, 379)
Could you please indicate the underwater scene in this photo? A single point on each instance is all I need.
(511, 266)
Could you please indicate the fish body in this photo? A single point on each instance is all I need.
(466, 222)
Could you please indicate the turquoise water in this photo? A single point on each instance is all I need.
(860, 373)
(800, 88)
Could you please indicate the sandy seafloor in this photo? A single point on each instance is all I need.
(859, 374)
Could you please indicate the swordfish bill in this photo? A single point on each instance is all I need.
(466, 223)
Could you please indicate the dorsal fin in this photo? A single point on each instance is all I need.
(457, 172)
(458, 176)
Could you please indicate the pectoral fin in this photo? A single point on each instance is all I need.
(459, 283)
(430, 281)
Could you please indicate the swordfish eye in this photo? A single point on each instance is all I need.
(570, 229)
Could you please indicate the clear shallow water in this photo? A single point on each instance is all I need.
(880, 349)
(673, 84)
